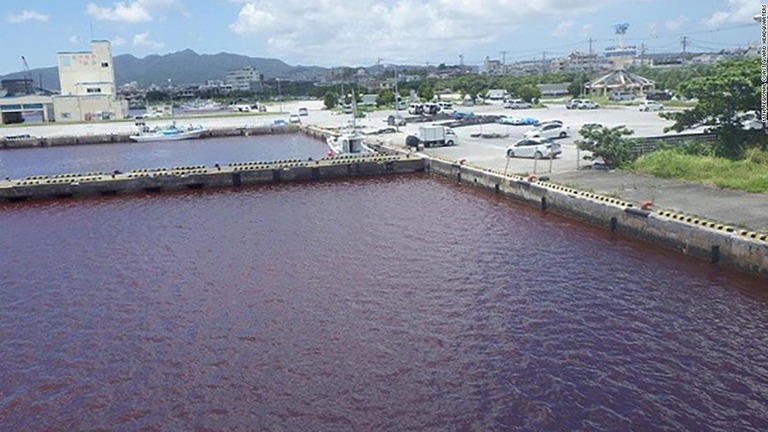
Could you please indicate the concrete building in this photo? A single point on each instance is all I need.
(84, 73)
(245, 79)
(87, 80)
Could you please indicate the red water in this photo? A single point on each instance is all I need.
(380, 304)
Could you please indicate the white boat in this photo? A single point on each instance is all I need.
(350, 141)
(171, 132)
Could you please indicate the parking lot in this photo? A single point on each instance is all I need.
(490, 152)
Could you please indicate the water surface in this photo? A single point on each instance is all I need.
(378, 304)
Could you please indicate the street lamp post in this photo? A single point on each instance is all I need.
(397, 102)
(279, 95)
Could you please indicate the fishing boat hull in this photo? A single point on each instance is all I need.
(161, 136)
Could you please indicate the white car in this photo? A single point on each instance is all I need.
(294, 118)
(549, 130)
(750, 120)
(517, 104)
(588, 104)
(534, 148)
(651, 106)
(303, 112)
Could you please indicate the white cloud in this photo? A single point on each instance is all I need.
(739, 12)
(359, 31)
(677, 23)
(118, 41)
(75, 40)
(563, 28)
(26, 16)
(142, 40)
(137, 11)
(586, 30)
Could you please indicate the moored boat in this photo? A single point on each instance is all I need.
(171, 132)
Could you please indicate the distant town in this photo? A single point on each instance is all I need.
(88, 91)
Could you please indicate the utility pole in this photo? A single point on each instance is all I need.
(504, 57)
(461, 60)
(685, 44)
(591, 62)
(543, 61)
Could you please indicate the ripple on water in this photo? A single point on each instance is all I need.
(382, 304)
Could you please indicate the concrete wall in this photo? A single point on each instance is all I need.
(707, 240)
(198, 177)
(81, 71)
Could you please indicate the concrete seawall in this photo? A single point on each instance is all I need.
(710, 241)
(199, 177)
(28, 142)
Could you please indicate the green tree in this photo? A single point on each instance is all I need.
(609, 144)
(426, 92)
(577, 86)
(529, 93)
(385, 98)
(733, 87)
(330, 99)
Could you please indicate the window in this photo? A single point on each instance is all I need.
(104, 64)
(66, 115)
(93, 90)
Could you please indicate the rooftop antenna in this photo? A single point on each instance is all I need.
(621, 31)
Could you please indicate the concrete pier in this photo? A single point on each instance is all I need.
(198, 177)
(56, 141)
(708, 240)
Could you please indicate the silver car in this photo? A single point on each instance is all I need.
(534, 148)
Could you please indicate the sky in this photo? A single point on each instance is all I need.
(364, 32)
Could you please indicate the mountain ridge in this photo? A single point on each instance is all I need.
(181, 67)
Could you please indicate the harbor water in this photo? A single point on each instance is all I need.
(20, 163)
(404, 303)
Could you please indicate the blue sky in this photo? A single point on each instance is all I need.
(358, 32)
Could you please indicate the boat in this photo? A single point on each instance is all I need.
(172, 132)
(350, 141)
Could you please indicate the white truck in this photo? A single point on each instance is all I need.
(431, 136)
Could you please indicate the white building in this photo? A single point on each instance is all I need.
(87, 72)
(245, 79)
(87, 80)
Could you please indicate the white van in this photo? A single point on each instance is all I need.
(415, 108)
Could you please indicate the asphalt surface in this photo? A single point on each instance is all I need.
(744, 210)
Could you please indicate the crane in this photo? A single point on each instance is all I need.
(27, 77)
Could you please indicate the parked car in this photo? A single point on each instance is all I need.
(458, 115)
(534, 148)
(517, 121)
(398, 120)
(347, 109)
(651, 106)
(573, 104)
(517, 104)
(659, 95)
(621, 96)
(430, 108)
(303, 112)
(750, 120)
(294, 118)
(445, 106)
(279, 122)
(588, 104)
(415, 109)
(549, 130)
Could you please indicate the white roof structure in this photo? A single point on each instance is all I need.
(620, 80)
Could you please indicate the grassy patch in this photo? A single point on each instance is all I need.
(749, 175)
